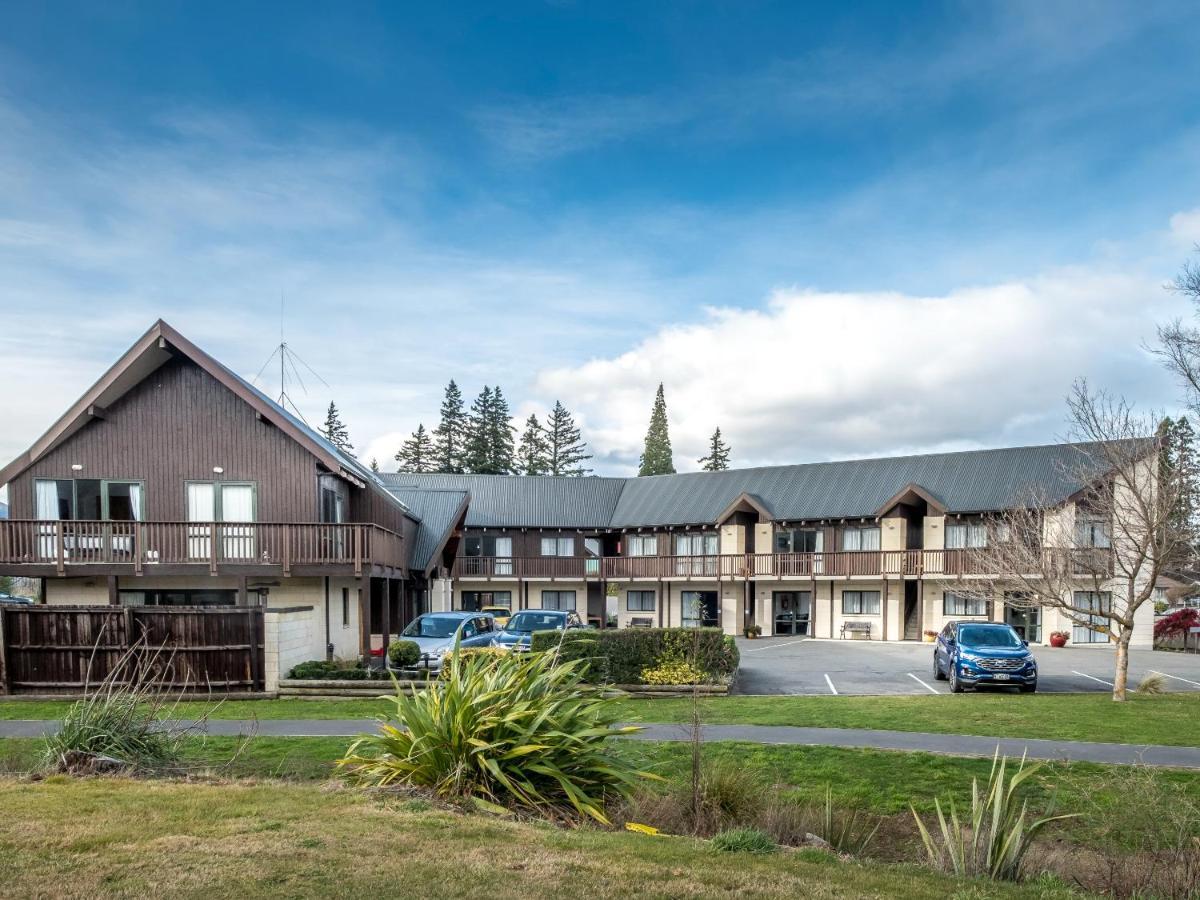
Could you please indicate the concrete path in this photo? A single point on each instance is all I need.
(949, 744)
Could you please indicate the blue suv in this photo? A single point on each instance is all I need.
(973, 653)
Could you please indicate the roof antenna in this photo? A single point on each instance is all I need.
(288, 369)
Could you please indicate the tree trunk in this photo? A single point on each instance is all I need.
(1121, 677)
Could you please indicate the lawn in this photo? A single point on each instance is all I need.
(114, 837)
(1165, 719)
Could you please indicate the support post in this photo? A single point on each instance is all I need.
(389, 591)
(243, 593)
(364, 618)
(114, 596)
(3, 656)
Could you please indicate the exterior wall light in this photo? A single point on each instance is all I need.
(76, 467)
(218, 470)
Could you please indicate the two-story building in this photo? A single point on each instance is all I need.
(174, 482)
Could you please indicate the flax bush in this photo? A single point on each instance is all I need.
(512, 732)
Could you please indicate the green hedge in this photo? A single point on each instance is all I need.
(321, 670)
(619, 656)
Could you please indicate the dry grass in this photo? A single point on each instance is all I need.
(116, 838)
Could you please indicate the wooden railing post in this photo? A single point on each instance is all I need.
(138, 551)
(287, 550)
(358, 550)
(61, 549)
(213, 537)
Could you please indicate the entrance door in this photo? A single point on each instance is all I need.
(912, 623)
(792, 611)
(700, 609)
(1025, 622)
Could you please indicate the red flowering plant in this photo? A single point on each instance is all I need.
(1177, 622)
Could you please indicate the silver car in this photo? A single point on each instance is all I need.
(435, 634)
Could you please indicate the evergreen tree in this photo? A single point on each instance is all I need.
(335, 431)
(531, 452)
(374, 464)
(718, 454)
(566, 451)
(1178, 460)
(449, 437)
(417, 453)
(488, 448)
(656, 456)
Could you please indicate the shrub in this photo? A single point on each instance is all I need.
(512, 732)
(743, 840)
(619, 656)
(846, 831)
(994, 840)
(674, 671)
(403, 654)
(1152, 684)
(489, 655)
(332, 670)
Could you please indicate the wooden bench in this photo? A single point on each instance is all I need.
(856, 630)
(641, 622)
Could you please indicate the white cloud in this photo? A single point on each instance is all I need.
(817, 375)
(1185, 227)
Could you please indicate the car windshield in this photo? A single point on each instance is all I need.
(526, 622)
(432, 626)
(978, 636)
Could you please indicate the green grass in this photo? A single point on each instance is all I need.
(113, 837)
(1165, 719)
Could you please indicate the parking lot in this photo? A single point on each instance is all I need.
(788, 665)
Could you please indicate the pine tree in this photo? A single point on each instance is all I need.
(500, 436)
(417, 453)
(656, 456)
(1180, 461)
(374, 465)
(566, 450)
(336, 432)
(449, 437)
(531, 452)
(718, 454)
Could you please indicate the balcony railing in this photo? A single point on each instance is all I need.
(144, 545)
(840, 564)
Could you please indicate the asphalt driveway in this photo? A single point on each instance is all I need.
(788, 665)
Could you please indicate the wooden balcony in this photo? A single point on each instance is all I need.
(47, 548)
(847, 564)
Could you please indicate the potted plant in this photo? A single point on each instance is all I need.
(753, 631)
(930, 636)
(1059, 638)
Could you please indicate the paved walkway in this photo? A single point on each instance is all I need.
(950, 744)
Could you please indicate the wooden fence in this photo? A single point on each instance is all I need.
(63, 649)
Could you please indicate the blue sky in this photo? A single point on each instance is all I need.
(834, 230)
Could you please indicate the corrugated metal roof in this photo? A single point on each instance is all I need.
(437, 511)
(970, 481)
(515, 501)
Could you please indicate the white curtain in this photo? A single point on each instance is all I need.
(200, 508)
(237, 505)
(504, 556)
(46, 497)
(135, 502)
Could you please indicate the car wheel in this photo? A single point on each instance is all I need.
(938, 675)
(955, 685)
(1028, 688)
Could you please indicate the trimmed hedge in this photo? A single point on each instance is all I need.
(322, 670)
(620, 656)
(404, 653)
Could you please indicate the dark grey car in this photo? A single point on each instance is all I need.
(435, 634)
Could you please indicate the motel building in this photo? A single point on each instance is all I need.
(173, 482)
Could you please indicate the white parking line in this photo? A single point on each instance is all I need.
(923, 684)
(829, 681)
(1093, 677)
(772, 646)
(1165, 675)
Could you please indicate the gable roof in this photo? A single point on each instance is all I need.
(440, 512)
(972, 481)
(152, 350)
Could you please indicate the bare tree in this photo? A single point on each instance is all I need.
(1095, 560)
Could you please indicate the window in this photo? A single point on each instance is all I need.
(639, 601)
(481, 547)
(700, 609)
(1160, 595)
(1092, 533)
(560, 600)
(1089, 632)
(963, 605)
(562, 546)
(220, 501)
(643, 545)
(698, 543)
(89, 499)
(861, 538)
(799, 540)
(965, 535)
(332, 510)
(179, 598)
(345, 607)
(473, 601)
(860, 603)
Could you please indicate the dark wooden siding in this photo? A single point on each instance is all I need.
(175, 427)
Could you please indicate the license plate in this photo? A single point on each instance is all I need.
(1000, 677)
